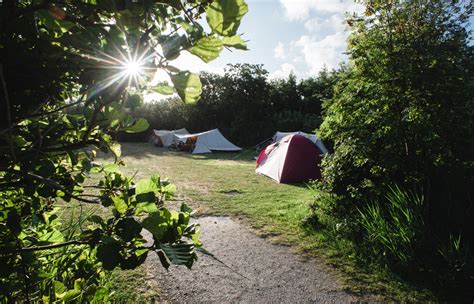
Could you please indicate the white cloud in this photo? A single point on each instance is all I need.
(283, 72)
(332, 24)
(279, 51)
(323, 52)
(324, 40)
(300, 9)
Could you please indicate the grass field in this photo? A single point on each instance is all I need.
(226, 184)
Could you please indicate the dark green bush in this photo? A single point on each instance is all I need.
(402, 113)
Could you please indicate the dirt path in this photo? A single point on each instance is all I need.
(256, 271)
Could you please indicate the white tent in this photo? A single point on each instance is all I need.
(208, 141)
(166, 136)
(279, 135)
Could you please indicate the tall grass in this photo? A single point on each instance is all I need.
(395, 225)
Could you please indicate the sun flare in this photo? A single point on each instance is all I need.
(133, 68)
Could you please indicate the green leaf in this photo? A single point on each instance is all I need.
(224, 16)
(52, 237)
(159, 222)
(111, 168)
(52, 21)
(172, 45)
(115, 148)
(169, 189)
(139, 126)
(148, 207)
(79, 284)
(180, 254)
(163, 88)
(207, 48)
(128, 228)
(186, 208)
(119, 204)
(235, 42)
(146, 185)
(188, 85)
(101, 293)
(108, 253)
(133, 101)
(195, 236)
(59, 287)
(114, 114)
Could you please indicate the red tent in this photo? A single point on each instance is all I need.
(292, 159)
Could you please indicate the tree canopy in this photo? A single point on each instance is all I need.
(401, 121)
(100, 55)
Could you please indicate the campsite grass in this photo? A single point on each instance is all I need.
(226, 184)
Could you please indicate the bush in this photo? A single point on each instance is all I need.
(402, 113)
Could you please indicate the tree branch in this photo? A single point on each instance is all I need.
(74, 146)
(54, 185)
(38, 248)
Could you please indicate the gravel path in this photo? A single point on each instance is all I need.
(255, 271)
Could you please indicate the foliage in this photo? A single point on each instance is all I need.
(244, 104)
(403, 110)
(402, 113)
(58, 54)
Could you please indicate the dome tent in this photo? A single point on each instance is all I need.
(292, 159)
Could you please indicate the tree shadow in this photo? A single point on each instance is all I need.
(146, 150)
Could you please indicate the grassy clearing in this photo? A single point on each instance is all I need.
(226, 184)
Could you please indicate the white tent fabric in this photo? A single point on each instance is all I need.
(166, 136)
(208, 141)
(279, 135)
(274, 163)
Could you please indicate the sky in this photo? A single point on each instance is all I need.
(286, 36)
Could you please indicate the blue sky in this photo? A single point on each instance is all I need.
(299, 36)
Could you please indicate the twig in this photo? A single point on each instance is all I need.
(54, 185)
(38, 248)
(9, 117)
(74, 146)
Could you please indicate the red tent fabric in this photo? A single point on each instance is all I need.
(293, 159)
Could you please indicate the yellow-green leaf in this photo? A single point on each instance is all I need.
(207, 48)
(188, 85)
(163, 88)
(224, 16)
(139, 126)
(235, 42)
(119, 204)
(115, 148)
